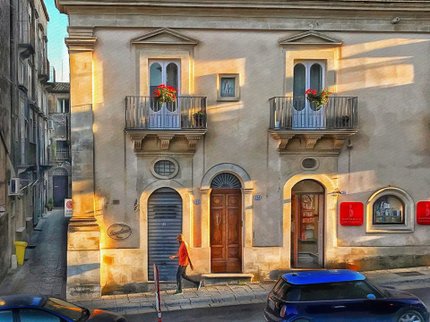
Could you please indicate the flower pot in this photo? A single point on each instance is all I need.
(200, 120)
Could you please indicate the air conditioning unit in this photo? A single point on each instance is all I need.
(14, 187)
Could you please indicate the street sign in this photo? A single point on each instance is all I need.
(68, 207)
(157, 292)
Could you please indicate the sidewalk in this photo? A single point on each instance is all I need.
(226, 295)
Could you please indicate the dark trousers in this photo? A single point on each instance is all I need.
(181, 274)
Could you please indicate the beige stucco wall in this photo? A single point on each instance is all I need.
(387, 71)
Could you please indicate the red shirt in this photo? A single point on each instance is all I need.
(183, 255)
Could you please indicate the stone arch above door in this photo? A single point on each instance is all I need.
(234, 169)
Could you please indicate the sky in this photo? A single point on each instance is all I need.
(57, 50)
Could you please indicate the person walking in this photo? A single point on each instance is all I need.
(183, 261)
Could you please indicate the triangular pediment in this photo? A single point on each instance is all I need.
(165, 36)
(310, 38)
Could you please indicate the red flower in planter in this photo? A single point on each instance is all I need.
(164, 93)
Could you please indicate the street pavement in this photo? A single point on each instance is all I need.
(44, 269)
(44, 272)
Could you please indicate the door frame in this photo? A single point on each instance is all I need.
(330, 213)
(241, 231)
(186, 196)
(321, 226)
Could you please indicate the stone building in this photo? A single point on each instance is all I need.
(59, 176)
(24, 70)
(257, 175)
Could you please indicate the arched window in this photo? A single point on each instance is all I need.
(226, 181)
(307, 74)
(390, 210)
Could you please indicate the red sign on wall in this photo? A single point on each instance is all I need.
(423, 212)
(351, 213)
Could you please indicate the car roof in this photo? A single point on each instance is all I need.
(8, 301)
(322, 276)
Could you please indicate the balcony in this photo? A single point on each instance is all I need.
(43, 73)
(173, 127)
(302, 128)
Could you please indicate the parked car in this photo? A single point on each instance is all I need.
(339, 295)
(28, 308)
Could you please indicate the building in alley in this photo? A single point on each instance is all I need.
(256, 172)
(24, 71)
(59, 176)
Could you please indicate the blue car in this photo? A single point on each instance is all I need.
(28, 308)
(339, 295)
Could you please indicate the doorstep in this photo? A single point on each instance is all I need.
(227, 278)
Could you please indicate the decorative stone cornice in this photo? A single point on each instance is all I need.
(81, 39)
(172, 141)
(387, 5)
(315, 142)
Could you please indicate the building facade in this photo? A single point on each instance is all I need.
(258, 176)
(59, 175)
(24, 70)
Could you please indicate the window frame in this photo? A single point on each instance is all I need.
(164, 64)
(408, 223)
(159, 176)
(236, 96)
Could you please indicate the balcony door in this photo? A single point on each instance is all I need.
(307, 74)
(164, 115)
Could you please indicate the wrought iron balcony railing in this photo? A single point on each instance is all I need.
(288, 113)
(146, 113)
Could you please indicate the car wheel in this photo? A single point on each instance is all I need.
(410, 316)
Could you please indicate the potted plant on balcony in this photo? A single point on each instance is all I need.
(200, 119)
(317, 99)
(164, 94)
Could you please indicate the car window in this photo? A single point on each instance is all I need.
(64, 308)
(31, 315)
(6, 316)
(285, 291)
(336, 291)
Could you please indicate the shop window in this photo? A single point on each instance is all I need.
(390, 210)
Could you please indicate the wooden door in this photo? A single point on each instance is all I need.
(226, 231)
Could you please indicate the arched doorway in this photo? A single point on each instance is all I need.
(164, 224)
(307, 224)
(60, 186)
(226, 224)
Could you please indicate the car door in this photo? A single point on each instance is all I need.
(36, 315)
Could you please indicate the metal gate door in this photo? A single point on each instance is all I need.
(164, 224)
(60, 184)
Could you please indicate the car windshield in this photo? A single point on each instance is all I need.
(66, 309)
(285, 291)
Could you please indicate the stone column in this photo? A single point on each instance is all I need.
(83, 247)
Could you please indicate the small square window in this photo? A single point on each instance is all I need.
(228, 87)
